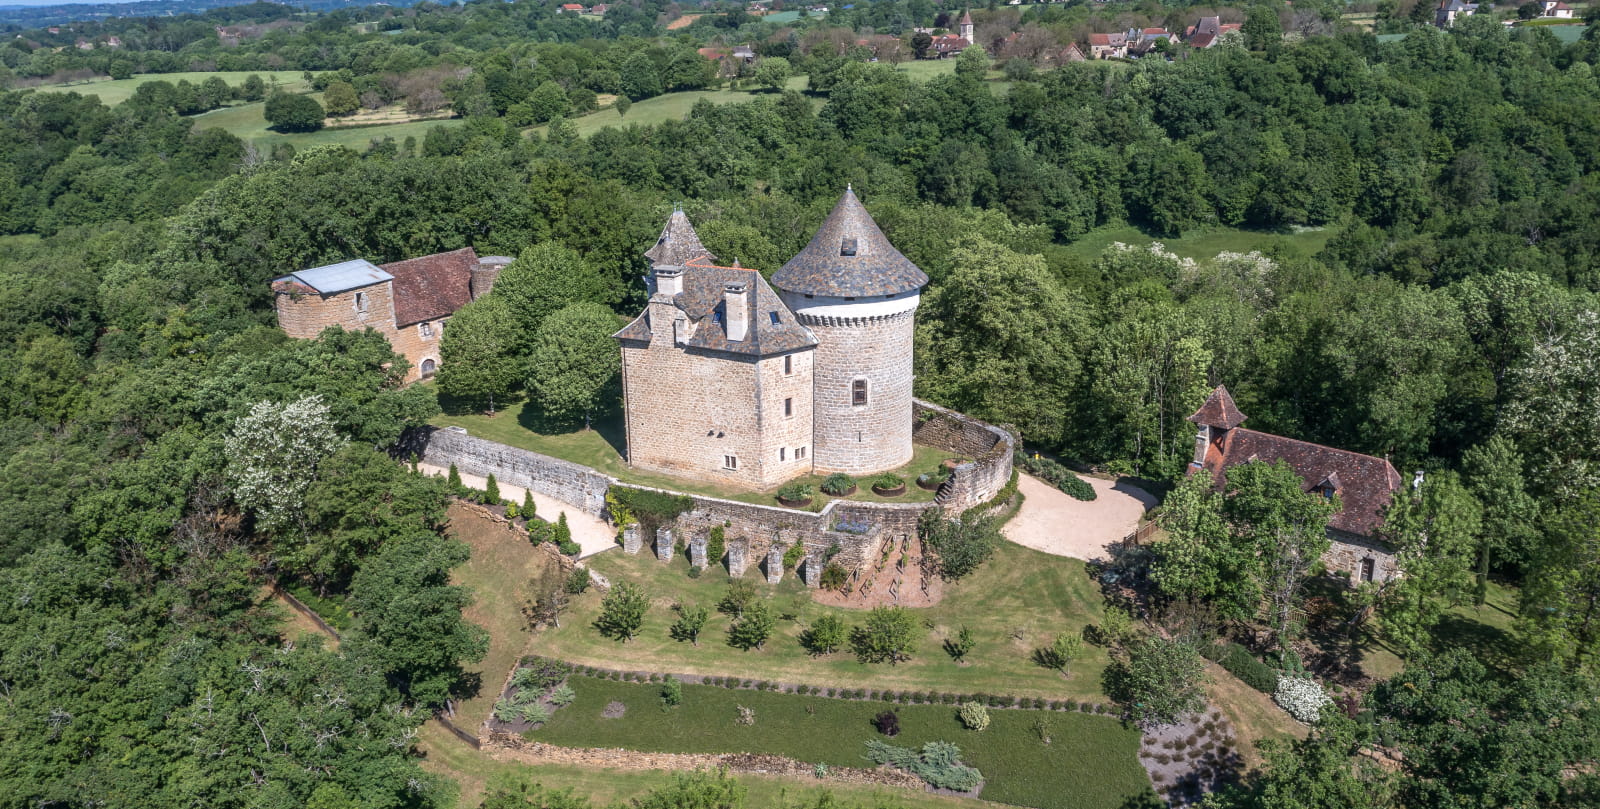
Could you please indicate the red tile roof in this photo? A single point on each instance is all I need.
(432, 287)
(1363, 483)
(1219, 411)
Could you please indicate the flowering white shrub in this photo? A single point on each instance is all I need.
(1302, 698)
(273, 453)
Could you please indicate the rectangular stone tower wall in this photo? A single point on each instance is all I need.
(304, 315)
(411, 343)
(689, 409)
(786, 417)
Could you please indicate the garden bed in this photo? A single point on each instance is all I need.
(1018, 768)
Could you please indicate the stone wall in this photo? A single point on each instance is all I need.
(577, 486)
(305, 315)
(990, 448)
(1349, 551)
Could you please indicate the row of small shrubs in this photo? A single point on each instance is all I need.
(866, 694)
(1058, 476)
(1240, 663)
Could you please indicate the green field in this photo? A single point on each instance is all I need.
(1204, 244)
(246, 121)
(1021, 599)
(474, 773)
(1089, 764)
(116, 91)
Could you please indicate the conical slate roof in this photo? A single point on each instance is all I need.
(849, 258)
(1219, 411)
(966, 18)
(678, 243)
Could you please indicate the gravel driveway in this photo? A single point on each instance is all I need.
(1052, 522)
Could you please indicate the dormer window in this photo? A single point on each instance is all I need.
(716, 317)
(774, 316)
(847, 246)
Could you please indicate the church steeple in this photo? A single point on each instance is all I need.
(964, 26)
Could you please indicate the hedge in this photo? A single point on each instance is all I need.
(1256, 674)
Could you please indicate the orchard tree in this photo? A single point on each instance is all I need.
(622, 612)
(272, 455)
(574, 364)
(888, 635)
(691, 620)
(477, 359)
(752, 628)
(825, 635)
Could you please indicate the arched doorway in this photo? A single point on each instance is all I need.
(428, 368)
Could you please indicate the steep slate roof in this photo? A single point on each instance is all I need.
(678, 244)
(875, 269)
(773, 328)
(1364, 483)
(1219, 411)
(966, 18)
(341, 277)
(432, 287)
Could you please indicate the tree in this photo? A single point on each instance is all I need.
(574, 365)
(292, 112)
(1287, 526)
(773, 72)
(962, 544)
(529, 508)
(622, 612)
(961, 645)
(752, 628)
(339, 98)
(1435, 533)
(544, 279)
(921, 41)
(491, 491)
(1159, 683)
(973, 63)
(691, 620)
(477, 353)
(825, 635)
(253, 88)
(640, 78)
(552, 599)
(888, 635)
(1261, 29)
(1322, 771)
(622, 105)
(547, 101)
(408, 617)
(1554, 407)
(453, 478)
(1060, 653)
(273, 453)
(1560, 618)
(561, 533)
(716, 545)
(738, 597)
(1203, 559)
(1529, 11)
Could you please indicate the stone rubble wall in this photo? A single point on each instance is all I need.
(576, 485)
(1348, 550)
(989, 447)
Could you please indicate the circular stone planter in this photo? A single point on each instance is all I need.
(794, 503)
(895, 492)
(845, 493)
(930, 486)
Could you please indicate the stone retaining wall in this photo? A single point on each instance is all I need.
(576, 485)
(989, 447)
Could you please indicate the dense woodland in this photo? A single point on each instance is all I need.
(1450, 324)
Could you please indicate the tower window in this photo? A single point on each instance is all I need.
(788, 364)
(781, 451)
(858, 392)
(799, 453)
(425, 329)
(847, 246)
(730, 462)
(788, 407)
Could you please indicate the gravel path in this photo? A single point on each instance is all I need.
(1052, 522)
(591, 533)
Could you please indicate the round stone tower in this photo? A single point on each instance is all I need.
(859, 296)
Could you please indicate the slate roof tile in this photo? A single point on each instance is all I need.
(849, 257)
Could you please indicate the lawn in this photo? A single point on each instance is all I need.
(502, 565)
(247, 122)
(670, 107)
(1485, 631)
(1090, 763)
(475, 773)
(1018, 601)
(1204, 244)
(115, 91)
(601, 449)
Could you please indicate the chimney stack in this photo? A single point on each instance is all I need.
(736, 312)
(669, 280)
(485, 274)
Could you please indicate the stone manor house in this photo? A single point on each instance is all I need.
(726, 378)
(408, 302)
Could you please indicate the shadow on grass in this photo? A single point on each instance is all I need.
(607, 424)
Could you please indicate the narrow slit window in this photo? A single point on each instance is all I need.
(781, 451)
(788, 365)
(858, 392)
(361, 301)
(788, 407)
(774, 316)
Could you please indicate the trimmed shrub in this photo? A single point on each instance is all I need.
(672, 692)
(1238, 661)
(973, 716)
(887, 723)
(1058, 476)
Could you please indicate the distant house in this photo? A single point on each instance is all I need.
(947, 45)
(600, 9)
(744, 53)
(84, 45)
(1362, 484)
(1555, 9)
(1069, 54)
(570, 8)
(1207, 32)
(113, 42)
(1143, 40)
(1108, 46)
(1448, 10)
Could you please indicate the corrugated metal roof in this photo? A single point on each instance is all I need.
(352, 274)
